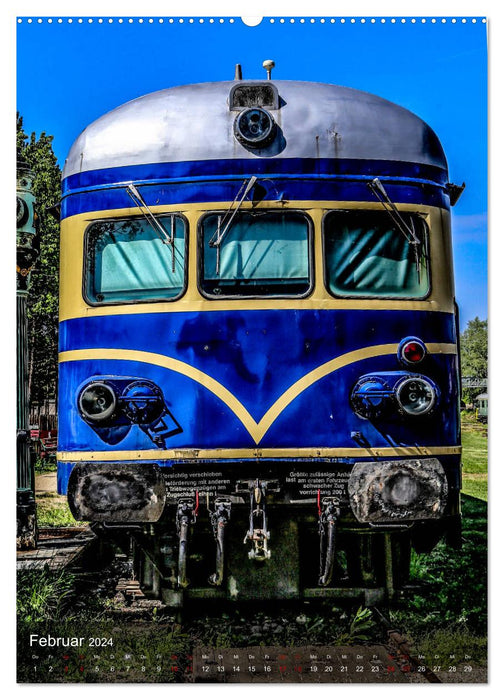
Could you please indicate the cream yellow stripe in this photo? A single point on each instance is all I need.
(192, 454)
(72, 304)
(187, 370)
(256, 430)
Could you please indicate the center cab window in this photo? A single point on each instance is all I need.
(366, 254)
(259, 254)
(130, 261)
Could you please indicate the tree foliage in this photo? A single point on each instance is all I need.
(474, 355)
(43, 294)
(474, 349)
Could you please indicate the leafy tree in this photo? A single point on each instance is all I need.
(43, 296)
(474, 354)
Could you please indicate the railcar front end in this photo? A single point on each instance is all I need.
(258, 342)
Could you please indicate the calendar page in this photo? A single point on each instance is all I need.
(252, 397)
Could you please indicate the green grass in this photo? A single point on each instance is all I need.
(474, 452)
(54, 515)
(474, 458)
(451, 645)
(475, 487)
(452, 611)
(448, 614)
(43, 595)
(46, 465)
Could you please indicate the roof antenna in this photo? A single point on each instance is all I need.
(269, 65)
(238, 72)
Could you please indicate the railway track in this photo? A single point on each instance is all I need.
(399, 641)
(57, 548)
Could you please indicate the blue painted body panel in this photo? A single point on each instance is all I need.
(241, 167)
(258, 355)
(218, 180)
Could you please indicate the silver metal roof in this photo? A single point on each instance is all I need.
(193, 122)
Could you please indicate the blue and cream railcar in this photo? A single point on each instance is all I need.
(258, 339)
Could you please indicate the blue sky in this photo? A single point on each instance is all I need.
(438, 70)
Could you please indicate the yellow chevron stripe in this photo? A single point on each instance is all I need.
(256, 430)
(258, 453)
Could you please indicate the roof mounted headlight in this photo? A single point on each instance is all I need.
(97, 402)
(255, 127)
(416, 396)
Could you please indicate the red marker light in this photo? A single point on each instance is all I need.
(413, 352)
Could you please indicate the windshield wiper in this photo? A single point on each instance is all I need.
(224, 222)
(157, 226)
(408, 232)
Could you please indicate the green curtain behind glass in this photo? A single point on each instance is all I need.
(270, 246)
(367, 256)
(130, 261)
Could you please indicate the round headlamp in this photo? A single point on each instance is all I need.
(97, 402)
(142, 402)
(416, 396)
(255, 127)
(370, 397)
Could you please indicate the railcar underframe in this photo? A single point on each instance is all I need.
(277, 530)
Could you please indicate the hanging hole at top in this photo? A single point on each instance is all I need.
(251, 21)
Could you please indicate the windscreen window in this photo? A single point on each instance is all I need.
(131, 260)
(261, 253)
(366, 254)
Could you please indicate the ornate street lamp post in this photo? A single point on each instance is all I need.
(26, 255)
